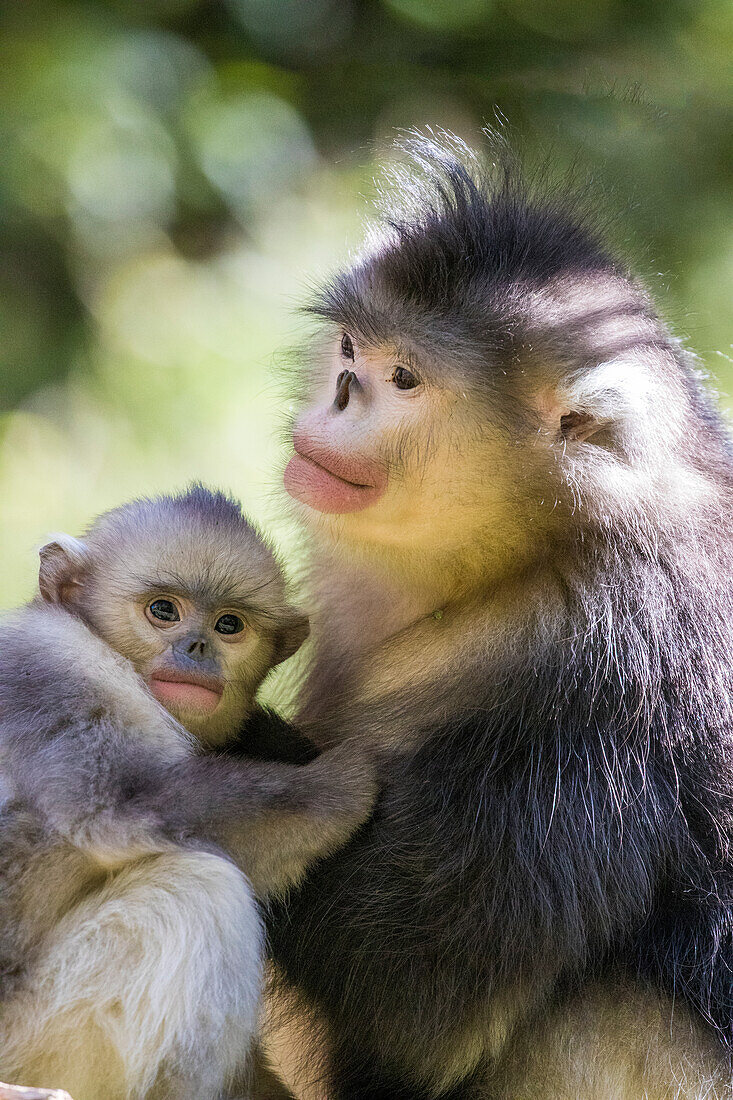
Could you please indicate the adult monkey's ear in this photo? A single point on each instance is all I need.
(290, 636)
(603, 397)
(579, 426)
(64, 562)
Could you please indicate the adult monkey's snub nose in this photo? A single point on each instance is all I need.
(343, 382)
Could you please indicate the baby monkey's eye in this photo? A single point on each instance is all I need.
(404, 379)
(347, 347)
(229, 624)
(162, 611)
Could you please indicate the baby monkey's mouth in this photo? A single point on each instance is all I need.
(192, 690)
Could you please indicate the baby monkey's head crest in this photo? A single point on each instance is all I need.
(188, 590)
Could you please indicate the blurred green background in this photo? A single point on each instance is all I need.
(174, 172)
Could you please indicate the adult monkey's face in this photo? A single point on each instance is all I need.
(412, 435)
(395, 448)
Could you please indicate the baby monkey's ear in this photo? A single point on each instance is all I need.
(64, 562)
(290, 636)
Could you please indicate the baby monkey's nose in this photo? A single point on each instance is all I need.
(193, 646)
(197, 647)
(344, 382)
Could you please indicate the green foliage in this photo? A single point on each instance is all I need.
(174, 171)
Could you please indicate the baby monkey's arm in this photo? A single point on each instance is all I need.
(109, 794)
(108, 769)
(273, 819)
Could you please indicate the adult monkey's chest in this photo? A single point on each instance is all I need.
(394, 692)
(394, 939)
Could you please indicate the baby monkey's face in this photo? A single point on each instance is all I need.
(186, 589)
(202, 658)
(199, 658)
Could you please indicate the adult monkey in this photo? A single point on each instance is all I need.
(520, 502)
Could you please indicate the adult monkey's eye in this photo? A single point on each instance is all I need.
(162, 611)
(347, 347)
(229, 624)
(404, 379)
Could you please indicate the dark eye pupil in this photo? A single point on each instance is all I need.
(229, 624)
(347, 347)
(165, 610)
(404, 379)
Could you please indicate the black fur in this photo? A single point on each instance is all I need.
(456, 240)
(266, 735)
(573, 817)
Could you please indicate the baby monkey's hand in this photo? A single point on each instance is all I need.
(349, 780)
(321, 805)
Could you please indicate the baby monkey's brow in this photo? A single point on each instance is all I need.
(204, 593)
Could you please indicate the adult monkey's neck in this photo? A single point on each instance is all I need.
(384, 628)
(356, 606)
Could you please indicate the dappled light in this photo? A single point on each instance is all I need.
(174, 174)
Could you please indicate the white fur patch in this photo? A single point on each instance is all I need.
(157, 973)
(612, 390)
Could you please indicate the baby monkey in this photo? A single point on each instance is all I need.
(132, 856)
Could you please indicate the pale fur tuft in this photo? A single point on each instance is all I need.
(159, 967)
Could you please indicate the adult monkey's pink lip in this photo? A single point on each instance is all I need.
(186, 690)
(331, 482)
